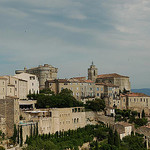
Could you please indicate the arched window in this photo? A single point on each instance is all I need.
(94, 72)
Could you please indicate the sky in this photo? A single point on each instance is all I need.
(70, 34)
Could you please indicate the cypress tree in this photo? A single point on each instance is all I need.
(37, 132)
(111, 137)
(15, 134)
(116, 139)
(21, 137)
(143, 114)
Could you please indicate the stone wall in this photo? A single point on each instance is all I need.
(9, 108)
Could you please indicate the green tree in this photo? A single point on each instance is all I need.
(2, 148)
(15, 134)
(134, 143)
(111, 137)
(116, 139)
(96, 105)
(21, 137)
(143, 114)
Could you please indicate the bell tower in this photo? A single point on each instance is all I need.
(92, 72)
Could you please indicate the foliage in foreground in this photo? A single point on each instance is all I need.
(70, 139)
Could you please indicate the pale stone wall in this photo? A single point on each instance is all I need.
(23, 89)
(3, 124)
(80, 90)
(33, 83)
(9, 108)
(3, 87)
(58, 119)
(92, 72)
(46, 72)
(16, 87)
(99, 90)
(122, 83)
(26, 129)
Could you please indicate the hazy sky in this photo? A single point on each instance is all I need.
(69, 34)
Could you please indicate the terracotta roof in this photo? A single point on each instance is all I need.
(107, 84)
(79, 78)
(1, 77)
(112, 75)
(89, 81)
(137, 95)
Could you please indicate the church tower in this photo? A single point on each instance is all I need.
(92, 72)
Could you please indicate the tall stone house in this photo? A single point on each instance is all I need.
(44, 73)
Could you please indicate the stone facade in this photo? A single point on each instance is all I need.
(58, 119)
(32, 80)
(3, 124)
(92, 72)
(81, 88)
(3, 87)
(123, 129)
(136, 102)
(46, 72)
(121, 81)
(16, 87)
(9, 109)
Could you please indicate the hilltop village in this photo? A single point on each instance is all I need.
(35, 102)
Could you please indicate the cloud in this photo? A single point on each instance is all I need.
(70, 34)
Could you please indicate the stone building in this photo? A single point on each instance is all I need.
(3, 124)
(58, 119)
(136, 102)
(9, 109)
(46, 72)
(16, 87)
(116, 79)
(123, 129)
(32, 80)
(92, 72)
(3, 87)
(81, 88)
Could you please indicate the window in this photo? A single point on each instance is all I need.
(50, 114)
(101, 89)
(62, 88)
(77, 88)
(141, 99)
(15, 82)
(32, 84)
(97, 94)
(97, 88)
(124, 100)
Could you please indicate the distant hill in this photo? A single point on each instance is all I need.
(144, 90)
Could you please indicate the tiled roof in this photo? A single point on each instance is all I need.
(125, 124)
(113, 75)
(137, 95)
(79, 78)
(89, 81)
(106, 84)
(1, 77)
